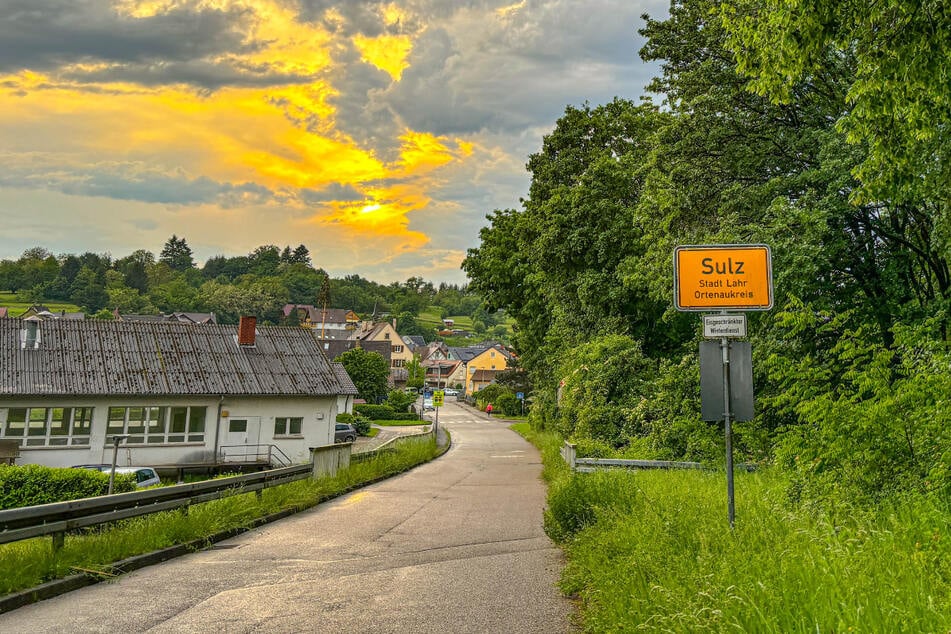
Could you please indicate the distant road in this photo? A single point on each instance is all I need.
(455, 545)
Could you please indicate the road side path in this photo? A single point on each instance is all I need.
(455, 545)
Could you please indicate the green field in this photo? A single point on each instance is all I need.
(16, 307)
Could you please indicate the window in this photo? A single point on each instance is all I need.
(157, 425)
(398, 363)
(238, 425)
(48, 426)
(397, 348)
(284, 426)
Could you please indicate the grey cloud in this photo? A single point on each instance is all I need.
(207, 75)
(45, 34)
(126, 181)
(502, 76)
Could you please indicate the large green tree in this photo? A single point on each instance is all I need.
(898, 101)
(177, 254)
(369, 373)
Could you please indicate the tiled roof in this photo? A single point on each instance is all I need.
(346, 383)
(414, 341)
(94, 357)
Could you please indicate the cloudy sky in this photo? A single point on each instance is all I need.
(379, 134)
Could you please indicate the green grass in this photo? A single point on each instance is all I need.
(400, 423)
(9, 300)
(653, 551)
(28, 563)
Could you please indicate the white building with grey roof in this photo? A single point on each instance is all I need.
(179, 396)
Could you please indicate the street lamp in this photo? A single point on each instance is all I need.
(115, 454)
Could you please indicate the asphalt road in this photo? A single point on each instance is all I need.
(455, 545)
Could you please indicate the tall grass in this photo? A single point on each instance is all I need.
(652, 551)
(28, 563)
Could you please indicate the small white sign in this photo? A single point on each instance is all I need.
(718, 326)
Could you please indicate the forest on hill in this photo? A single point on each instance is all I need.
(820, 129)
(259, 283)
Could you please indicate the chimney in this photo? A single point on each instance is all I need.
(246, 330)
(394, 323)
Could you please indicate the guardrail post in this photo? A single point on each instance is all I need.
(569, 452)
(59, 540)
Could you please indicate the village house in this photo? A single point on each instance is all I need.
(479, 365)
(177, 395)
(400, 353)
(335, 323)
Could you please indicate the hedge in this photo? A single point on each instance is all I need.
(29, 485)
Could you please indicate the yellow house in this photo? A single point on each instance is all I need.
(400, 353)
(482, 368)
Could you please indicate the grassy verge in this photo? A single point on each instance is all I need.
(28, 563)
(652, 551)
(401, 423)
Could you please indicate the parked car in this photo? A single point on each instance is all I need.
(144, 476)
(345, 433)
(428, 404)
(451, 392)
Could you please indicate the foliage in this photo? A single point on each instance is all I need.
(868, 421)
(399, 400)
(176, 254)
(369, 372)
(898, 100)
(382, 412)
(758, 140)
(360, 423)
(29, 485)
(415, 373)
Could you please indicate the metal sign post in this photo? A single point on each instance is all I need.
(723, 277)
(728, 430)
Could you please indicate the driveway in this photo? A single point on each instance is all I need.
(455, 545)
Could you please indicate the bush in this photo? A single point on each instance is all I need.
(29, 485)
(375, 412)
(508, 404)
(400, 400)
(360, 423)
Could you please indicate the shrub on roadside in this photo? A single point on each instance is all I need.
(360, 423)
(29, 485)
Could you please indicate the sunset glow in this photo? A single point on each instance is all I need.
(368, 120)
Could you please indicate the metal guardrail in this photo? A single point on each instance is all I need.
(57, 518)
(588, 465)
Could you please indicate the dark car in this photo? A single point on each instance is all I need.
(345, 433)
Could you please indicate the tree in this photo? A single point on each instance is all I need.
(300, 255)
(415, 373)
(898, 101)
(369, 373)
(89, 290)
(177, 254)
(265, 260)
(134, 268)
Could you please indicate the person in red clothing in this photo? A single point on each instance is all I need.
(488, 409)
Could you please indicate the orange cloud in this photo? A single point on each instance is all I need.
(279, 137)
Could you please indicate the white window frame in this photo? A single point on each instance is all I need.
(287, 422)
(42, 419)
(154, 424)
